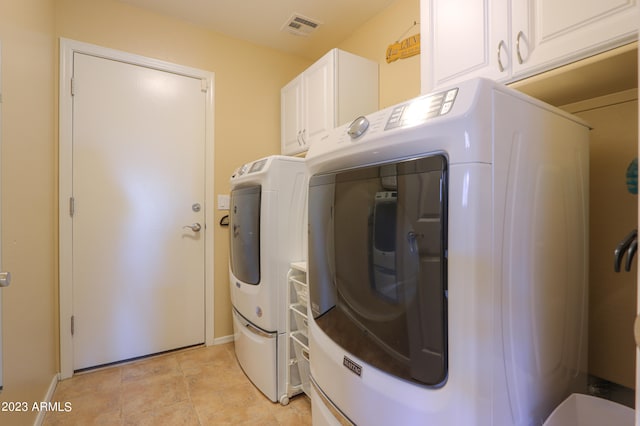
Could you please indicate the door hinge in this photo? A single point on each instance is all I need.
(204, 85)
(72, 206)
(73, 86)
(73, 324)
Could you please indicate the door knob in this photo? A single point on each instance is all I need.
(195, 227)
(5, 279)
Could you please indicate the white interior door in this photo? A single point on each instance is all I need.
(138, 211)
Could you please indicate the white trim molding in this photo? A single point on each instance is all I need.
(47, 399)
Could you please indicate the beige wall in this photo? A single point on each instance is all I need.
(248, 79)
(613, 213)
(29, 183)
(399, 80)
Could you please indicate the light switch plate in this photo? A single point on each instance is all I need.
(223, 202)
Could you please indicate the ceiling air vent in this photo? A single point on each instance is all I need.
(300, 25)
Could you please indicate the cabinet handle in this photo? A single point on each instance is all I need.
(518, 37)
(304, 142)
(298, 138)
(500, 45)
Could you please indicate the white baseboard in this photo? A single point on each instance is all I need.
(223, 340)
(52, 388)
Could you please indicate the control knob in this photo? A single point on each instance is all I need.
(358, 127)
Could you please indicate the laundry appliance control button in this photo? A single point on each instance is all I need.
(358, 127)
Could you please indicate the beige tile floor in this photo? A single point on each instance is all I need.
(201, 386)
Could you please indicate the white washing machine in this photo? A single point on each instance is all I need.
(447, 261)
(266, 223)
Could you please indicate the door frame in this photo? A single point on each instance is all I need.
(637, 395)
(1, 358)
(65, 185)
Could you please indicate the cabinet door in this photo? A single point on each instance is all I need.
(464, 39)
(319, 98)
(550, 33)
(291, 117)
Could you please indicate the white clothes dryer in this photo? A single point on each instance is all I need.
(448, 261)
(266, 223)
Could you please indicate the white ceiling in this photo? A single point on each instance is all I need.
(260, 21)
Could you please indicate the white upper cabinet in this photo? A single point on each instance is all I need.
(461, 39)
(291, 117)
(320, 107)
(550, 33)
(333, 91)
(507, 40)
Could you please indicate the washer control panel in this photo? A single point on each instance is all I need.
(408, 114)
(255, 167)
(421, 109)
